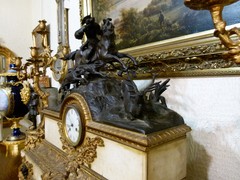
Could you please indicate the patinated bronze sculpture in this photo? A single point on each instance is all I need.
(91, 29)
(104, 52)
(112, 100)
(33, 111)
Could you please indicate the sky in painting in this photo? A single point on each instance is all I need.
(120, 4)
(229, 12)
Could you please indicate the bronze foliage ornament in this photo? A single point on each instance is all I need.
(201, 60)
(78, 157)
(34, 137)
(55, 164)
(83, 154)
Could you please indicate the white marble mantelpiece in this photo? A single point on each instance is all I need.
(126, 154)
(158, 156)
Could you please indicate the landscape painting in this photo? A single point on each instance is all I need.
(146, 21)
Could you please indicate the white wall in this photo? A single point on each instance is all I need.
(19, 18)
(47, 10)
(15, 32)
(210, 106)
(74, 22)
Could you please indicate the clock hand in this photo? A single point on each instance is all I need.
(69, 127)
(76, 122)
(70, 123)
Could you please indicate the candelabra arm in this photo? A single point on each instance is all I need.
(43, 95)
(220, 26)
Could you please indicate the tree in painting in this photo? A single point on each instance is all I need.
(101, 9)
(149, 25)
(129, 31)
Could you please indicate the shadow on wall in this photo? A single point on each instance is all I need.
(213, 155)
(198, 160)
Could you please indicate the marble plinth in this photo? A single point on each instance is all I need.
(123, 154)
(161, 155)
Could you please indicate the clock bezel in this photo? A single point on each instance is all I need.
(58, 75)
(80, 103)
(82, 132)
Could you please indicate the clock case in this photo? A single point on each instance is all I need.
(77, 102)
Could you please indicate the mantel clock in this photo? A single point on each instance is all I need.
(75, 115)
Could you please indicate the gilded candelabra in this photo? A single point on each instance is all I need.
(226, 36)
(41, 58)
(15, 89)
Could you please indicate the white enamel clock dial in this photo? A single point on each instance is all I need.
(73, 126)
(58, 68)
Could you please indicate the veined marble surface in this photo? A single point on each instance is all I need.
(117, 161)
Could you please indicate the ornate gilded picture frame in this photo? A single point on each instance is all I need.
(6, 55)
(196, 54)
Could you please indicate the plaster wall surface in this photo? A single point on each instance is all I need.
(15, 33)
(210, 106)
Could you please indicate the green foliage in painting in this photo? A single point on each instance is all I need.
(101, 9)
(150, 25)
